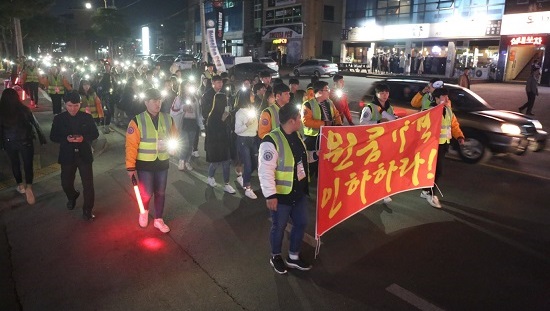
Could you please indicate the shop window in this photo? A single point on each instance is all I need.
(445, 5)
(328, 13)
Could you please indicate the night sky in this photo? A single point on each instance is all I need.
(136, 12)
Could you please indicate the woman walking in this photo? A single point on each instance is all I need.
(90, 102)
(16, 137)
(246, 128)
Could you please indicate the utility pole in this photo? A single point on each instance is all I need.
(204, 49)
(18, 37)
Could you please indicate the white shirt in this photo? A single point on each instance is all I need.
(267, 164)
(243, 116)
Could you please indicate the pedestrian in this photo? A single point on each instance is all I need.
(531, 88)
(340, 98)
(207, 99)
(186, 113)
(423, 99)
(449, 128)
(464, 79)
(56, 86)
(318, 112)
(168, 96)
(259, 90)
(30, 79)
(269, 119)
(283, 175)
(218, 140)
(267, 100)
(90, 101)
(378, 111)
(149, 139)
(265, 78)
(106, 84)
(74, 131)
(294, 84)
(17, 131)
(246, 129)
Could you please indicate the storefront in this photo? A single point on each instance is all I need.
(525, 46)
(435, 49)
(284, 43)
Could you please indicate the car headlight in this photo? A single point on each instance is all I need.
(537, 124)
(510, 129)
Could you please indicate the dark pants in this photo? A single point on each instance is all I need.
(68, 172)
(247, 148)
(299, 215)
(530, 102)
(441, 152)
(26, 149)
(196, 140)
(109, 107)
(312, 144)
(32, 88)
(56, 102)
(189, 129)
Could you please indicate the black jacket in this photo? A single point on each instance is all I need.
(21, 132)
(61, 128)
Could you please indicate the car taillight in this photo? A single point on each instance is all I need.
(326, 66)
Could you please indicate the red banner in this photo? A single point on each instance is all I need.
(360, 165)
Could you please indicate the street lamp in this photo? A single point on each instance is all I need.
(88, 5)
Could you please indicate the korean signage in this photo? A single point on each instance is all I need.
(526, 23)
(280, 41)
(360, 165)
(526, 40)
(283, 32)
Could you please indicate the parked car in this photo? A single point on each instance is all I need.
(316, 67)
(267, 61)
(184, 61)
(249, 70)
(165, 61)
(487, 130)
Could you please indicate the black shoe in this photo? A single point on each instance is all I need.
(278, 264)
(520, 110)
(87, 215)
(297, 264)
(72, 203)
(530, 113)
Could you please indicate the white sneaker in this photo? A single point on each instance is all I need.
(239, 173)
(30, 196)
(227, 188)
(21, 188)
(159, 224)
(181, 165)
(387, 200)
(425, 194)
(188, 166)
(211, 182)
(240, 181)
(434, 201)
(144, 219)
(195, 154)
(249, 193)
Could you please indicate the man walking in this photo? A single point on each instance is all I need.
(531, 88)
(464, 79)
(75, 130)
(56, 86)
(283, 175)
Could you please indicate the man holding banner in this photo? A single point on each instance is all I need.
(283, 175)
(449, 128)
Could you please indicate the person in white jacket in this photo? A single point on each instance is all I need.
(185, 111)
(246, 128)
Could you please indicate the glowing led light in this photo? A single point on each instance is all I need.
(138, 195)
(191, 89)
(172, 145)
(339, 93)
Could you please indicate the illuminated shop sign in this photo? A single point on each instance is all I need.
(526, 40)
(525, 23)
(280, 41)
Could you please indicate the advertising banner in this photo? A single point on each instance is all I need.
(215, 19)
(360, 165)
(213, 49)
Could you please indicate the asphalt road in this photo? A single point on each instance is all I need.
(487, 249)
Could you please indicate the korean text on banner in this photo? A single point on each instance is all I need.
(213, 48)
(360, 165)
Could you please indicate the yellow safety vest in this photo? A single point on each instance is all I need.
(32, 75)
(284, 173)
(316, 110)
(274, 112)
(55, 85)
(149, 136)
(446, 122)
(88, 101)
(376, 115)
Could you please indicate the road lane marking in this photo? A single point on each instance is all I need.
(411, 298)
(514, 171)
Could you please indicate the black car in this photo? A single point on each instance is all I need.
(487, 130)
(249, 71)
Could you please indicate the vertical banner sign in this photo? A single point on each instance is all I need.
(214, 31)
(360, 165)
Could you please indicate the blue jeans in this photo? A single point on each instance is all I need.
(188, 131)
(153, 183)
(225, 169)
(299, 216)
(247, 148)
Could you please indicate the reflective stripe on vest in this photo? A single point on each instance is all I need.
(32, 76)
(377, 115)
(89, 102)
(148, 147)
(446, 122)
(284, 173)
(274, 112)
(316, 111)
(54, 83)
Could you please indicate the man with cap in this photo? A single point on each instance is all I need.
(75, 130)
(424, 99)
(340, 98)
(269, 118)
(150, 137)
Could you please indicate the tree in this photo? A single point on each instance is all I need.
(108, 23)
(35, 34)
